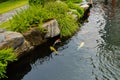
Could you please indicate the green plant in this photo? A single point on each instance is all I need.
(76, 7)
(66, 22)
(29, 18)
(68, 26)
(57, 7)
(6, 56)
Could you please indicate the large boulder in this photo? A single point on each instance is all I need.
(23, 49)
(10, 39)
(52, 28)
(34, 36)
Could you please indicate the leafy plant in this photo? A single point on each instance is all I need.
(29, 18)
(6, 56)
(68, 26)
(76, 7)
(66, 22)
(57, 7)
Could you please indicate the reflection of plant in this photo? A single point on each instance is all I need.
(6, 55)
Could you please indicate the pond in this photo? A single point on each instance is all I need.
(97, 59)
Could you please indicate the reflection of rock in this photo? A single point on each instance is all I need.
(10, 39)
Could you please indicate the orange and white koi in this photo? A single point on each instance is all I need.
(57, 41)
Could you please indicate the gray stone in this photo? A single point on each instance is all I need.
(85, 6)
(23, 49)
(2, 37)
(2, 30)
(52, 28)
(10, 39)
(34, 36)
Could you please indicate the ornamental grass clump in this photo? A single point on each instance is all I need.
(32, 17)
(60, 10)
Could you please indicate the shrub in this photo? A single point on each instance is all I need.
(68, 26)
(6, 55)
(76, 7)
(66, 23)
(57, 7)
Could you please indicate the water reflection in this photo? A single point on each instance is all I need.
(109, 47)
(17, 70)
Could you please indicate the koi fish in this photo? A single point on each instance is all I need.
(89, 14)
(57, 41)
(81, 45)
(54, 50)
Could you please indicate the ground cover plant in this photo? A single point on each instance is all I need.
(6, 56)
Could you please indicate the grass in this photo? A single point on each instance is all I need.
(5, 25)
(10, 5)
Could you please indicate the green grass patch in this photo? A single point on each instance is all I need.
(10, 5)
(6, 55)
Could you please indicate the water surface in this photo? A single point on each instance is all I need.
(98, 59)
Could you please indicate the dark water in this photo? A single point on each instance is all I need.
(98, 59)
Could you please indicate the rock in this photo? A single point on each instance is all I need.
(34, 36)
(10, 39)
(2, 30)
(52, 28)
(85, 6)
(23, 49)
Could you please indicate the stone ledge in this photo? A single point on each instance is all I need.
(27, 41)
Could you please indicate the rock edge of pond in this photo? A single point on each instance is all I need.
(24, 43)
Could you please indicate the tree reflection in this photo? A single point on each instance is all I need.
(109, 47)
